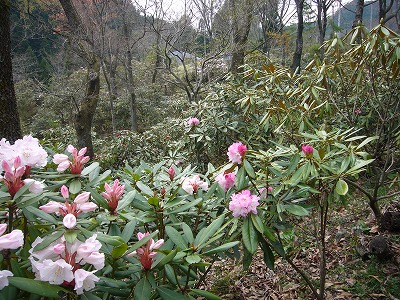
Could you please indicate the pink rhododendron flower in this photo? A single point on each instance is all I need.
(192, 184)
(307, 150)
(227, 180)
(31, 153)
(35, 187)
(54, 272)
(12, 240)
(145, 253)
(13, 175)
(4, 274)
(193, 122)
(243, 203)
(84, 281)
(77, 162)
(236, 152)
(113, 194)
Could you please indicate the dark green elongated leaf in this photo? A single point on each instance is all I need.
(75, 186)
(41, 214)
(97, 179)
(142, 290)
(296, 209)
(115, 241)
(20, 192)
(48, 240)
(70, 236)
(128, 230)
(42, 288)
(221, 248)
(170, 273)
(249, 236)
(258, 224)
(126, 200)
(360, 165)
(90, 168)
(28, 201)
(98, 198)
(268, 256)
(209, 231)
(176, 237)
(186, 206)
(249, 169)
(162, 260)
(205, 294)
(167, 294)
(119, 251)
(247, 258)
(144, 188)
(188, 233)
(240, 180)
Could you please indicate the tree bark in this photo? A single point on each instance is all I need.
(299, 37)
(87, 107)
(10, 127)
(359, 13)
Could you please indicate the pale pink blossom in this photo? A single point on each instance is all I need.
(53, 207)
(86, 207)
(145, 253)
(96, 259)
(69, 221)
(192, 184)
(31, 153)
(4, 274)
(89, 246)
(76, 163)
(13, 175)
(35, 187)
(54, 272)
(3, 228)
(227, 180)
(236, 151)
(307, 150)
(46, 253)
(193, 122)
(113, 194)
(65, 192)
(243, 203)
(84, 281)
(82, 198)
(59, 248)
(12, 240)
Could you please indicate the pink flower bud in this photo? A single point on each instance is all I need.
(193, 122)
(171, 173)
(82, 198)
(307, 150)
(59, 248)
(65, 192)
(52, 207)
(69, 221)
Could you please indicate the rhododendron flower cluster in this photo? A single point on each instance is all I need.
(113, 194)
(227, 180)
(145, 253)
(17, 161)
(60, 262)
(193, 122)
(236, 152)
(243, 203)
(70, 211)
(192, 184)
(12, 240)
(77, 162)
(307, 150)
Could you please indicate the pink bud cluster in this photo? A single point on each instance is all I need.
(77, 162)
(226, 180)
(193, 122)
(191, 184)
(145, 253)
(113, 194)
(60, 263)
(12, 240)
(70, 211)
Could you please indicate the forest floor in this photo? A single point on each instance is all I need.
(349, 276)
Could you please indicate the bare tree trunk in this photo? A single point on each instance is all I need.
(322, 10)
(10, 127)
(359, 13)
(158, 58)
(87, 107)
(242, 12)
(299, 37)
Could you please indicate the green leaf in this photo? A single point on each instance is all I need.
(269, 258)
(176, 237)
(115, 241)
(37, 287)
(296, 210)
(48, 240)
(144, 188)
(126, 200)
(193, 259)
(249, 235)
(162, 260)
(41, 214)
(186, 206)
(366, 141)
(167, 294)
(249, 169)
(258, 224)
(119, 250)
(359, 165)
(341, 187)
(128, 230)
(188, 233)
(21, 191)
(209, 231)
(205, 294)
(75, 186)
(70, 236)
(90, 168)
(153, 201)
(221, 248)
(142, 290)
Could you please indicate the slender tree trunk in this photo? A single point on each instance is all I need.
(359, 13)
(322, 22)
(299, 37)
(110, 80)
(10, 127)
(158, 58)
